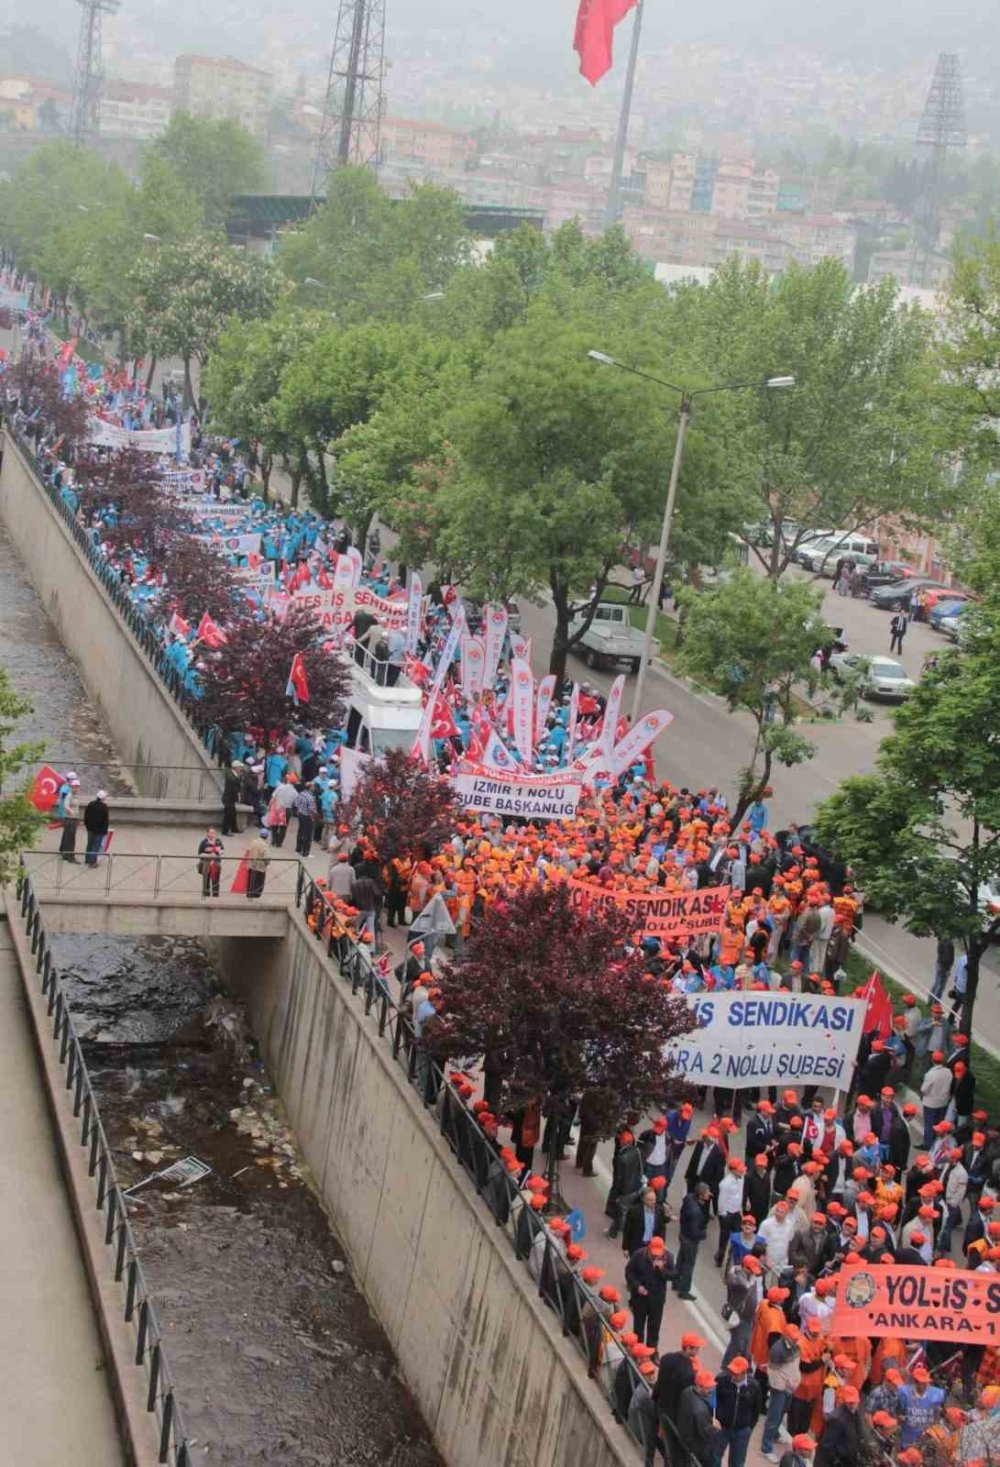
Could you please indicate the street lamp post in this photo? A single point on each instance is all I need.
(686, 397)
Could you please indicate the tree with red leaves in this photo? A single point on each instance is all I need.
(38, 385)
(244, 681)
(402, 809)
(547, 999)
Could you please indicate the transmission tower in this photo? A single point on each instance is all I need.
(941, 126)
(352, 111)
(85, 116)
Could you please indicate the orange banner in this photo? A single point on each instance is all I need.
(918, 1304)
(657, 913)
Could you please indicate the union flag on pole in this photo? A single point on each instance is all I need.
(298, 685)
(210, 632)
(44, 789)
(595, 27)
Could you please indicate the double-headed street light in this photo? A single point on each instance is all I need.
(686, 397)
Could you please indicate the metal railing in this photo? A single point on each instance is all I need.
(157, 877)
(138, 624)
(151, 780)
(582, 1314)
(138, 1309)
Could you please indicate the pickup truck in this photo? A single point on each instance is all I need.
(610, 637)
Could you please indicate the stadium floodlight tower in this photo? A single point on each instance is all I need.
(86, 114)
(941, 127)
(354, 103)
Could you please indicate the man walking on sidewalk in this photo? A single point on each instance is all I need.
(693, 1227)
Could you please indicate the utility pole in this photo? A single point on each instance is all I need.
(86, 113)
(613, 208)
(354, 103)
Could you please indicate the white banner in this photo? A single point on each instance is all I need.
(543, 703)
(609, 729)
(422, 744)
(147, 440)
(244, 544)
(522, 696)
(633, 745)
(473, 648)
(187, 481)
(209, 510)
(747, 1039)
(538, 797)
(415, 593)
(494, 631)
(574, 713)
(260, 577)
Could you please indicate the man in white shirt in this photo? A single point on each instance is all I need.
(935, 1093)
(730, 1204)
(778, 1230)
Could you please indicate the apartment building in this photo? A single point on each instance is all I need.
(134, 109)
(430, 146)
(213, 87)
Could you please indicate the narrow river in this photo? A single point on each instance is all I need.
(275, 1354)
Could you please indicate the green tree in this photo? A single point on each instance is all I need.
(557, 465)
(858, 437)
(969, 348)
(752, 640)
(373, 256)
(242, 382)
(20, 822)
(214, 160)
(922, 831)
(340, 380)
(184, 295)
(47, 197)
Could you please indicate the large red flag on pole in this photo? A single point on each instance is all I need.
(595, 26)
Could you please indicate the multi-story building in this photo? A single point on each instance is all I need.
(431, 146)
(207, 86)
(134, 109)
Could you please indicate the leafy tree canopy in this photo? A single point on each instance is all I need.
(214, 160)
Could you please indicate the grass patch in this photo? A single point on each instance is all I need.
(985, 1068)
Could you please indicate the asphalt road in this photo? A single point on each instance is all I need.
(707, 745)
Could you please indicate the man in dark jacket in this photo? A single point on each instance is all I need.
(676, 1373)
(840, 1442)
(760, 1130)
(647, 1274)
(645, 1219)
(694, 1419)
(96, 821)
(708, 1162)
(802, 1452)
(737, 1410)
(693, 1226)
(626, 1181)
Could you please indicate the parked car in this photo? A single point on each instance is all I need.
(885, 572)
(936, 595)
(944, 611)
(808, 541)
(823, 555)
(879, 677)
(896, 595)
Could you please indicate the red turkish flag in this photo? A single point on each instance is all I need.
(443, 725)
(878, 1014)
(595, 26)
(44, 789)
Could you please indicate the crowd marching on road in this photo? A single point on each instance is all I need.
(826, 1208)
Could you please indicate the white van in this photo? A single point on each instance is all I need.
(822, 555)
(380, 716)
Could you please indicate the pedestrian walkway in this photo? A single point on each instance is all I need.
(55, 1406)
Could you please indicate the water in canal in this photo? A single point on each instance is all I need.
(275, 1355)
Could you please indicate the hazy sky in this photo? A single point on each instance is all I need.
(870, 32)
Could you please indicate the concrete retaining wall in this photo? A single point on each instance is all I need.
(497, 1384)
(146, 724)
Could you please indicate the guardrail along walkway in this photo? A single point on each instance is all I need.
(55, 1407)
